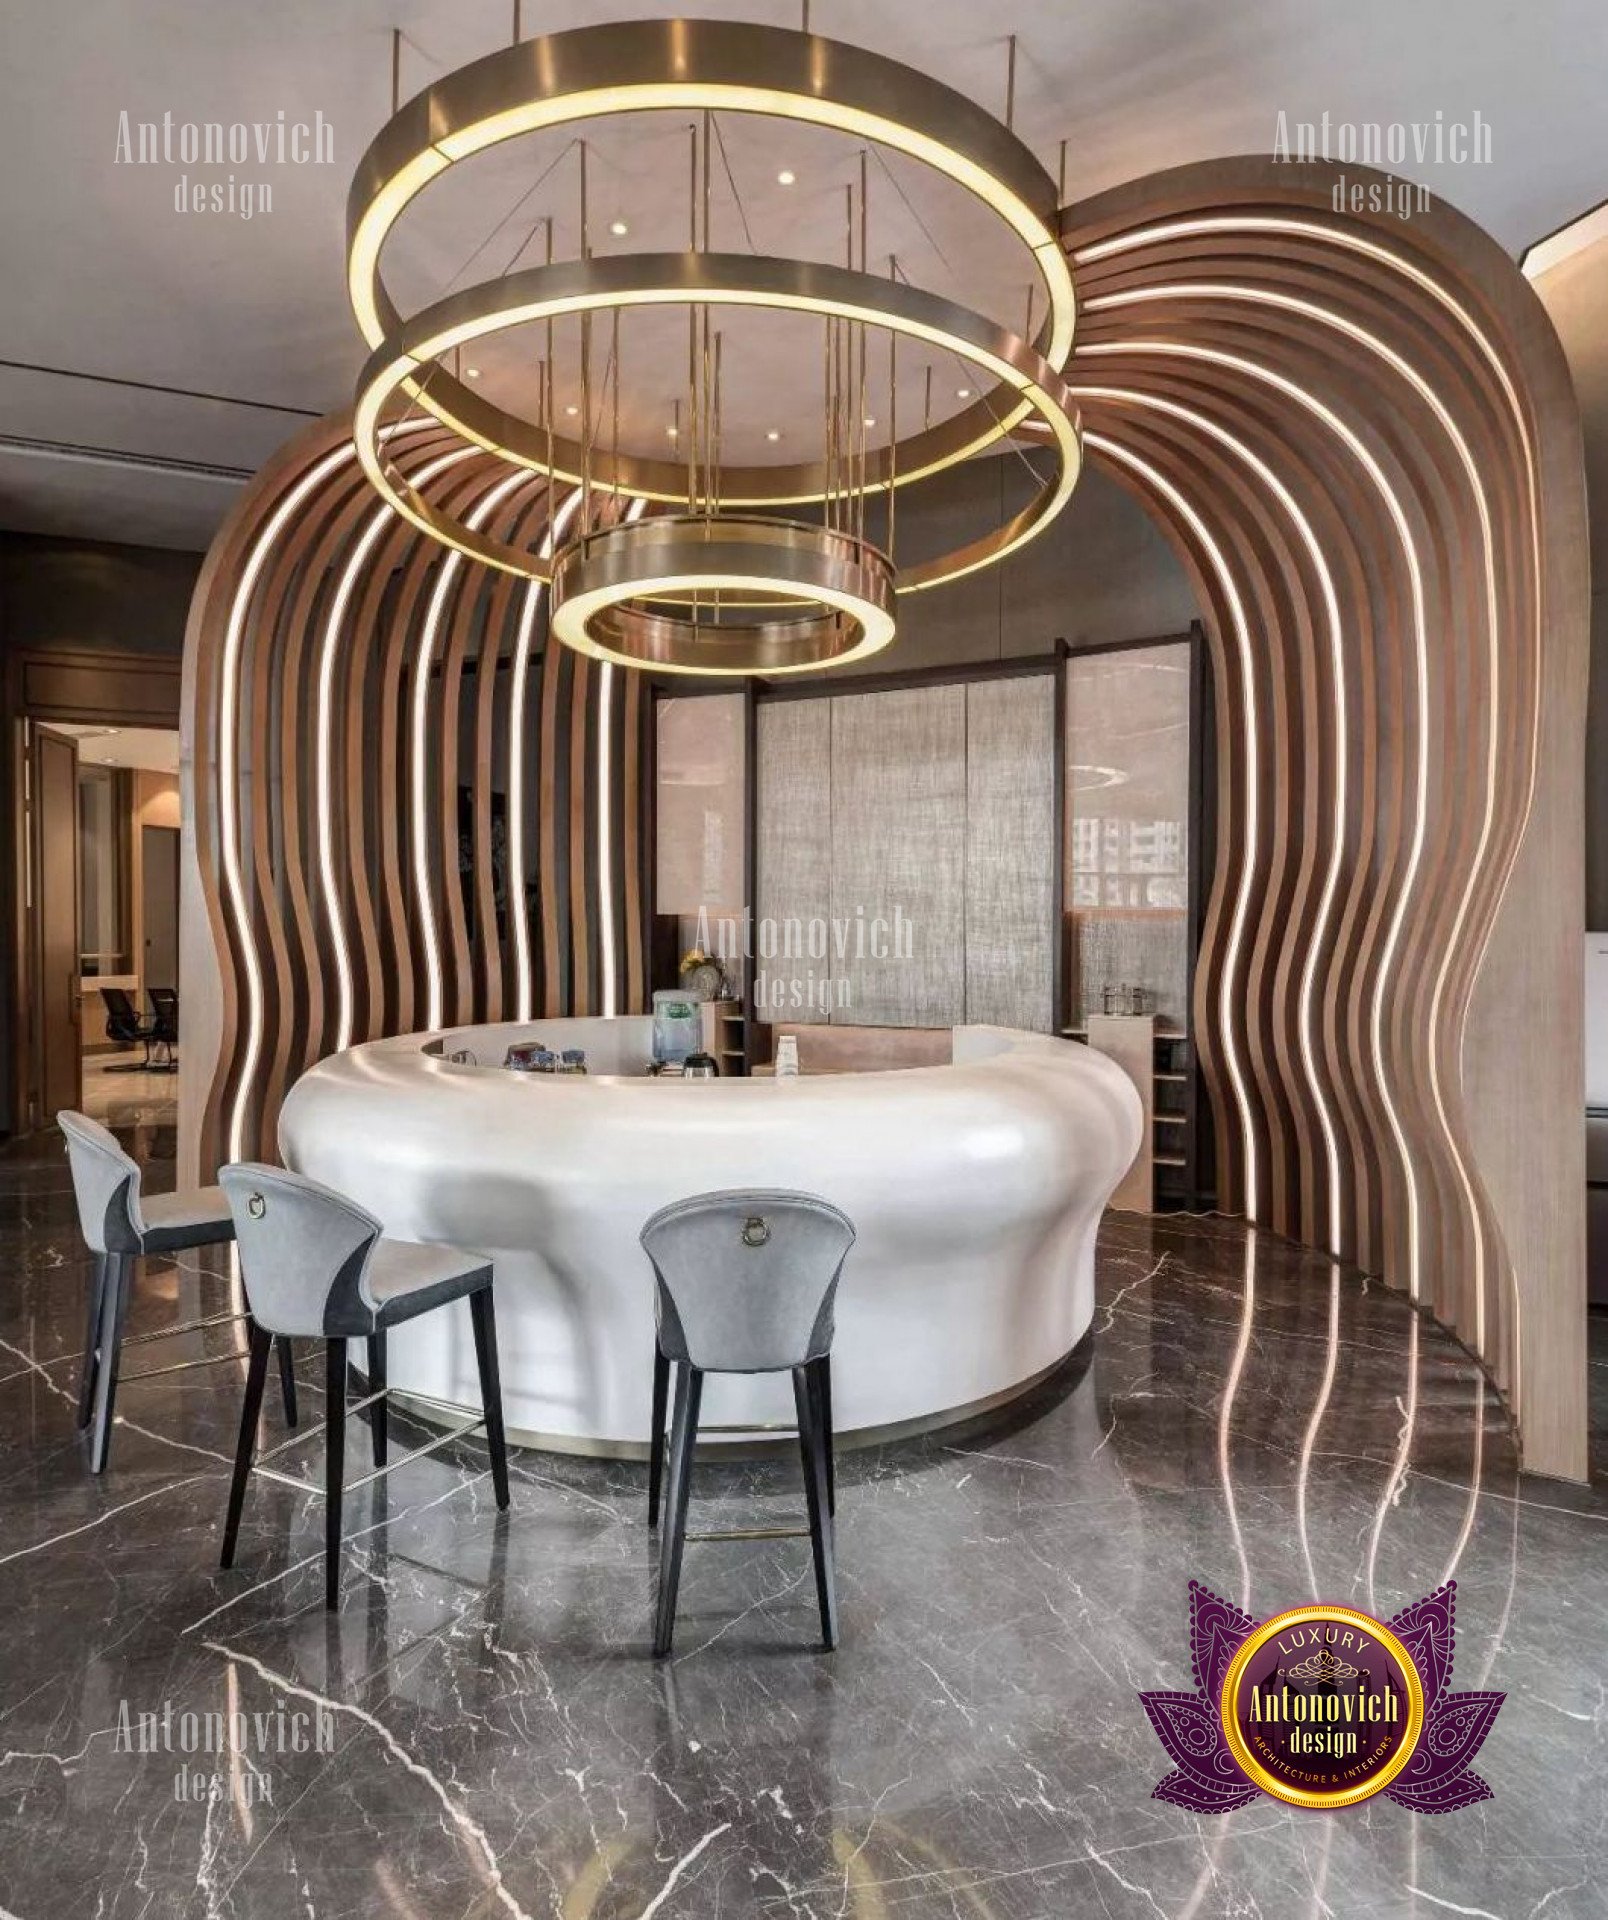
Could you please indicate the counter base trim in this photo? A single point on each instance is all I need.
(436, 1412)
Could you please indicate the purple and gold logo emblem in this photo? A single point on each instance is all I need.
(1322, 1706)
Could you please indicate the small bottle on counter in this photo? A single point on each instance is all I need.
(787, 1056)
(572, 1060)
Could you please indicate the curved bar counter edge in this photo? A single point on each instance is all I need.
(976, 1190)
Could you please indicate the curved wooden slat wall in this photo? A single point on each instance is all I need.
(358, 701)
(1361, 437)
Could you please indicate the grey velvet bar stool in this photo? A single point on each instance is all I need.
(745, 1282)
(121, 1224)
(317, 1265)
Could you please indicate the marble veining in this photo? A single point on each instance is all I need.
(490, 1738)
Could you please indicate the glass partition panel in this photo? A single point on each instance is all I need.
(1127, 826)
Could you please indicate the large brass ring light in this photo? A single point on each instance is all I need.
(690, 65)
(604, 584)
(574, 286)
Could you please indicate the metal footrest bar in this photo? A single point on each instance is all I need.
(184, 1366)
(749, 1426)
(754, 1533)
(189, 1326)
(351, 1486)
(312, 1432)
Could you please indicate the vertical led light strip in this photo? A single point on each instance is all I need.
(605, 818)
(434, 1010)
(1203, 424)
(1256, 371)
(523, 974)
(384, 517)
(1307, 309)
(229, 781)
(1242, 897)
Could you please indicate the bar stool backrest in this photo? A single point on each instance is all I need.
(747, 1278)
(303, 1250)
(106, 1185)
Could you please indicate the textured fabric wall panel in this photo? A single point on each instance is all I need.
(793, 830)
(1010, 852)
(899, 854)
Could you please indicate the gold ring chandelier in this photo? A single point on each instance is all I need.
(719, 583)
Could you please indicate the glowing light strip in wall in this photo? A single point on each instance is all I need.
(383, 518)
(434, 1010)
(1270, 479)
(524, 998)
(1355, 242)
(1242, 899)
(1325, 316)
(1253, 369)
(605, 817)
(229, 780)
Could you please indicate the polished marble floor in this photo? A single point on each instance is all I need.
(486, 1735)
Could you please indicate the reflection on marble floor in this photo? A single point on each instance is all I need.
(118, 1097)
(500, 1744)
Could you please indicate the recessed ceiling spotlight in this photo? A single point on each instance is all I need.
(473, 372)
(672, 433)
(773, 433)
(619, 229)
(963, 393)
(572, 411)
(870, 420)
(786, 177)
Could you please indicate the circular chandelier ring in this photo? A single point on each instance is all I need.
(410, 357)
(601, 580)
(693, 65)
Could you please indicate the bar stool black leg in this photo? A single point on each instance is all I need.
(334, 1466)
(823, 1399)
(378, 1423)
(484, 1315)
(287, 1380)
(87, 1367)
(811, 1446)
(673, 1537)
(114, 1311)
(661, 1396)
(251, 1409)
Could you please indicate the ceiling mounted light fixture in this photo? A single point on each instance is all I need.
(717, 583)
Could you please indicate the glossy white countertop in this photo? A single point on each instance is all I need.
(976, 1189)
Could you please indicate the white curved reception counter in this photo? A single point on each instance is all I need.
(976, 1189)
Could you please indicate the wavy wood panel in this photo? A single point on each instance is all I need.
(375, 730)
(1360, 435)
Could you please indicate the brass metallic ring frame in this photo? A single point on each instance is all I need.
(603, 582)
(692, 65)
(679, 279)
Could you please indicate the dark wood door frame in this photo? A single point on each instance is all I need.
(81, 686)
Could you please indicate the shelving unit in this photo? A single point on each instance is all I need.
(725, 1034)
(1175, 1118)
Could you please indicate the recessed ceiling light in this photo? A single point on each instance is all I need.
(870, 420)
(773, 433)
(672, 433)
(963, 393)
(619, 229)
(473, 372)
(572, 411)
(786, 177)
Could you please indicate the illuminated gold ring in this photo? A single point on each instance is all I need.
(604, 584)
(689, 65)
(576, 286)
(1270, 1782)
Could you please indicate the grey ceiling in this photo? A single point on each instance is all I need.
(102, 276)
